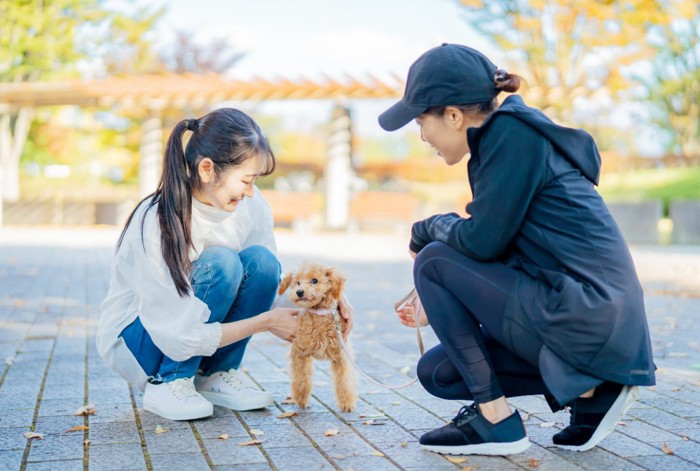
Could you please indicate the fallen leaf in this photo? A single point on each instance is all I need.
(547, 424)
(251, 442)
(255, 431)
(284, 415)
(525, 417)
(86, 443)
(160, 429)
(9, 361)
(623, 424)
(456, 459)
(338, 457)
(373, 422)
(666, 449)
(685, 437)
(468, 468)
(288, 401)
(405, 370)
(532, 462)
(223, 437)
(377, 453)
(370, 416)
(77, 428)
(85, 410)
(396, 403)
(31, 435)
(404, 444)
(331, 432)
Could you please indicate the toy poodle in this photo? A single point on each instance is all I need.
(317, 289)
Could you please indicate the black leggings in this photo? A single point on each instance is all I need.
(465, 302)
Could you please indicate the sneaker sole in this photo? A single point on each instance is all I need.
(493, 448)
(224, 400)
(178, 415)
(624, 401)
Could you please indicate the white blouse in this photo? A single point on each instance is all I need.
(141, 284)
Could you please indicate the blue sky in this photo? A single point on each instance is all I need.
(310, 38)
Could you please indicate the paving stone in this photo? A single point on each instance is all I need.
(58, 447)
(595, 459)
(64, 465)
(229, 452)
(11, 460)
(375, 463)
(216, 426)
(177, 460)
(113, 432)
(294, 459)
(114, 412)
(117, 457)
(182, 440)
(245, 467)
(16, 418)
(63, 406)
(285, 435)
(663, 462)
(625, 446)
(12, 438)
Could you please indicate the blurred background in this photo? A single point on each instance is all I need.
(90, 89)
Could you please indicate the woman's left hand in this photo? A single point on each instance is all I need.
(346, 312)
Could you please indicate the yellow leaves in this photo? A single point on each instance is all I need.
(533, 463)
(331, 432)
(88, 409)
(250, 443)
(456, 459)
(377, 453)
(160, 429)
(77, 428)
(666, 449)
(224, 436)
(285, 415)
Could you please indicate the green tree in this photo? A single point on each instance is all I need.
(673, 86)
(46, 40)
(567, 50)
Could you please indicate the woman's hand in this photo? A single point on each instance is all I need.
(407, 314)
(346, 311)
(282, 322)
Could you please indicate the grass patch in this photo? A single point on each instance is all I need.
(667, 184)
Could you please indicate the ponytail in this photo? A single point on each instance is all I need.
(506, 82)
(174, 198)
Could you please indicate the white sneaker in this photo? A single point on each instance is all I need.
(232, 390)
(176, 400)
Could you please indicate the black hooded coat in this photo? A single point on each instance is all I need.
(535, 209)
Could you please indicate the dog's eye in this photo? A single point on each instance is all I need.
(314, 281)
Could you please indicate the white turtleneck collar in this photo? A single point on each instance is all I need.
(208, 213)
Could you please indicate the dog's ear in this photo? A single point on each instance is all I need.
(337, 282)
(284, 284)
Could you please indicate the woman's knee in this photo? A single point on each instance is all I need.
(261, 264)
(431, 253)
(218, 265)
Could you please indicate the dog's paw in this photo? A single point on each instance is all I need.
(301, 403)
(346, 406)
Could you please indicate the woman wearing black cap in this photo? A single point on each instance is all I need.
(535, 292)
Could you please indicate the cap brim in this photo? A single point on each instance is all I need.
(399, 115)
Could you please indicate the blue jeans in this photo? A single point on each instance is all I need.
(235, 286)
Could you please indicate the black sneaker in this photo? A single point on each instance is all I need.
(592, 419)
(470, 433)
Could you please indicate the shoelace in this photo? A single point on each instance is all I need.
(234, 380)
(182, 388)
(465, 414)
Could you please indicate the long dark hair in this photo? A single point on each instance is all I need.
(226, 136)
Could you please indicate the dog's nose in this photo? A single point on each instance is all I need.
(300, 293)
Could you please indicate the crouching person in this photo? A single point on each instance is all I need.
(195, 274)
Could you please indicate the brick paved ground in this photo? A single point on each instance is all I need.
(51, 284)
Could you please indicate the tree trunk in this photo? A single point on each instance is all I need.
(14, 129)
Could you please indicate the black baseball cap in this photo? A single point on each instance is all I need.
(450, 74)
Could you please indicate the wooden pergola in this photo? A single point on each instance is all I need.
(153, 93)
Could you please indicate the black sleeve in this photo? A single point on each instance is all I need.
(510, 170)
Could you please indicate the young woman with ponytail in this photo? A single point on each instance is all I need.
(195, 274)
(535, 292)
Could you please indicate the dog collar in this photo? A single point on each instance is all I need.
(324, 312)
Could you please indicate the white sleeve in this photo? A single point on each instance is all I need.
(263, 224)
(177, 325)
